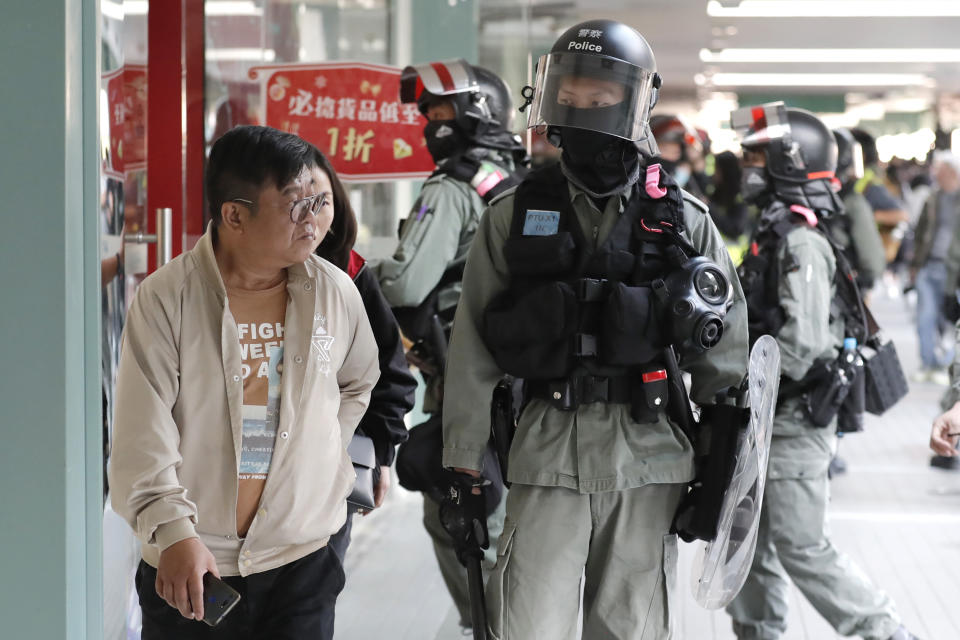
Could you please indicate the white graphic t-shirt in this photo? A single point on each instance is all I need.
(260, 317)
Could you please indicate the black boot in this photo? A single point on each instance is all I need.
(950, 463)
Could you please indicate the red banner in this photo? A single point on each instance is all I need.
(352, 112)
(126, 89)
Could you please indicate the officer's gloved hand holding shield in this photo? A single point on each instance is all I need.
(723, 507)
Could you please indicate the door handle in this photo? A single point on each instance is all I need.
(163, 238)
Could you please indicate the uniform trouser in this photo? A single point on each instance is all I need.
(455, 574)
(616, 542)
(794, 543)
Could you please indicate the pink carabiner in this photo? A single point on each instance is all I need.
(654, 190)
(807, 214)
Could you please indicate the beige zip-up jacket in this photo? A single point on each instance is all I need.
(178, 425)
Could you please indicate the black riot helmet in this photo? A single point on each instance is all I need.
(849, 156)
(480, 99)
(800, 149)
(868, 145)
(599, 51)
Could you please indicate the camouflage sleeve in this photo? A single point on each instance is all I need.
(471, 372)
(806, 290)
(866, 239)
(428, 244)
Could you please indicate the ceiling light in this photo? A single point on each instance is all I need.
(232, 8)
(240, 54)
(831, 55)
(818, 79)
(117, 10)
(834, 9)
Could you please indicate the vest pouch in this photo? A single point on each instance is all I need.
(531, 337)
(630, 331)
(823, 401)
(540, 255)
(612, 265)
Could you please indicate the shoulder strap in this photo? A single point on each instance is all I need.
(484, 176)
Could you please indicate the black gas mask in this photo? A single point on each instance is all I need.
(444, 139)
(695, 300)
(755, 185)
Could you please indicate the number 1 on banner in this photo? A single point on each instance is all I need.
(334, 135)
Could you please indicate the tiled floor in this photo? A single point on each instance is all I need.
(898, 518)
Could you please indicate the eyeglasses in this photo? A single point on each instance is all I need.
(298, 208)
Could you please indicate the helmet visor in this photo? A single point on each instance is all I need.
(757, 126)
(592, 92)
(438, 78)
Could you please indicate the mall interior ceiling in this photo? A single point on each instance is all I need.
(889, 63)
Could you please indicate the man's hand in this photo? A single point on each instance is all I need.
(941, 441)
(180, 576)
(383, 486)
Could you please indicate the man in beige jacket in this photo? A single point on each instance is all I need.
(246, 365)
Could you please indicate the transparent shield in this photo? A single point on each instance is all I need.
(722, 565)
(592, 92)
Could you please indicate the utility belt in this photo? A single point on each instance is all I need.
(646, 391)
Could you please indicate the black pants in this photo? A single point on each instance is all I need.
(292, 602)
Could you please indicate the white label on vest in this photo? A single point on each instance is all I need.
(541, 223)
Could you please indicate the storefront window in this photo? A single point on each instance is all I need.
(244, 35)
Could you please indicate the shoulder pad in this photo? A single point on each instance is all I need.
(435, 177)
(501, 196)
(698, 204)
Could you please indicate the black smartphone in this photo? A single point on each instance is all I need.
(218, 599)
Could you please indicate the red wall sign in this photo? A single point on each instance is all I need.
(126, 89)
(352, 112)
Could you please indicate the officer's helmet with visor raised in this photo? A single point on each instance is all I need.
(480, 99)
(600, 75)
(798, 145)
(849, 155)
(800, 152)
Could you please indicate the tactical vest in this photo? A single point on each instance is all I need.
(582, 321)
(760, 278)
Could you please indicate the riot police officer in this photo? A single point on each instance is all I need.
(790, 281)
(856, 231)
(581, 281)
(469, 116)
(682, 153)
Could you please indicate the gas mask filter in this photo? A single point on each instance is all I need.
(695, 298)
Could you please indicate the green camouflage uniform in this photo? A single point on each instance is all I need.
(594, 492)
(793, 541)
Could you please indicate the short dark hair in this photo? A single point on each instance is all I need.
(247, 158)
(339, 241)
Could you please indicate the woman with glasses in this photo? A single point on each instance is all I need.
(393, 395)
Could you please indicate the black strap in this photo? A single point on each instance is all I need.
(568, 394)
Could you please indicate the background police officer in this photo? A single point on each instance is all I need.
(856, 230)
(558, 289)
(789, 158)
(469, 116)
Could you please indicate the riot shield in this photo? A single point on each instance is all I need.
(722, 565)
